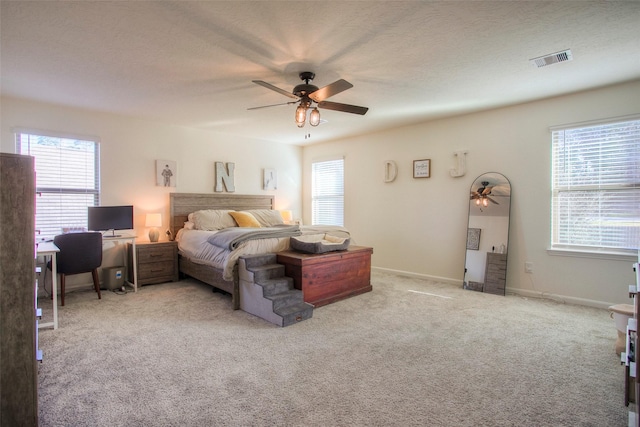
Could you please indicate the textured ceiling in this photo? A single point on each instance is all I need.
(191, 63)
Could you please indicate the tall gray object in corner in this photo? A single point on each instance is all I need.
(18, 370)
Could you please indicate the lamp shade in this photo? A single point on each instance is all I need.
(287, 216)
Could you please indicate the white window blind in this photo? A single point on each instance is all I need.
(67, 180)
(327, 192)
(596, 187)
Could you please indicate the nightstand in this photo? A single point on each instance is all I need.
(157, 262)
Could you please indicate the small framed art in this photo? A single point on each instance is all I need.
(473, 238)
(166, 173)
(422, 168)
(270, 179)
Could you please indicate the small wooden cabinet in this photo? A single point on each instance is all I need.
(329, 277)
(157, 262)
(495, 276)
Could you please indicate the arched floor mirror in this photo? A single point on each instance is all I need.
(485, 268)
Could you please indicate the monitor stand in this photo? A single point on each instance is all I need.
(113, 234)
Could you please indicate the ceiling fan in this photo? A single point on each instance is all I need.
(307, 94)
(481, 195)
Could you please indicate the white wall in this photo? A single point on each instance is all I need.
(418, 226)
(129, 148)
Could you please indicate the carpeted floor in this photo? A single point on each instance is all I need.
(410, 353)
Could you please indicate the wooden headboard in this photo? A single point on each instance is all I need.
(182, 204)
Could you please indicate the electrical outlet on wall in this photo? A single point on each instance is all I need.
(528, 267)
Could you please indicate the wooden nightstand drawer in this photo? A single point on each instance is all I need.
(155, 269)
(156, 262)
(154, 253)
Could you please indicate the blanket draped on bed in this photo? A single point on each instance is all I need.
(230, 238)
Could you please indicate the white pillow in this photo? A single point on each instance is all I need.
(266, 217)
(213, 219)
(188, 225)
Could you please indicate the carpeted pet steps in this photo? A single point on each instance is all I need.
(267, 293)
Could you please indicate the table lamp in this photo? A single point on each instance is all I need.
(154, 220)
(287, 216)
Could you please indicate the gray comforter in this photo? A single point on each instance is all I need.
(230, 238)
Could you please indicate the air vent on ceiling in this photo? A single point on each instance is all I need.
(552, 58)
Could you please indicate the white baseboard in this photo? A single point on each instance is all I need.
(419, 276)
(520, 292)
(560, 298)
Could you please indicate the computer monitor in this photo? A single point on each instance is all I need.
(110, 218)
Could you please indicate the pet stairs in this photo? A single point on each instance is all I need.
(267, 293)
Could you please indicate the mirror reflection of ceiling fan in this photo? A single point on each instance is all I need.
(481, 195)
(307, 94)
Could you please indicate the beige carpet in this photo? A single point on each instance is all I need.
(410, 353)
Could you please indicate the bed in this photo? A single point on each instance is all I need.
(218, 267)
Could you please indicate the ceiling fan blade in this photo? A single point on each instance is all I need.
(491, 200)
(346, 108)
(272, 105)
(486, 190)
(330, 90)
(274, 88)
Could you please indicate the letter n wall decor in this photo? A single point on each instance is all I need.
(224, 177)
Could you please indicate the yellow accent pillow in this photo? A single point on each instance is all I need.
(245, 219)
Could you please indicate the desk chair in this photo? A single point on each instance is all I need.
(79, 253)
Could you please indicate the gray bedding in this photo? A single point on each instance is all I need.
(230, 238)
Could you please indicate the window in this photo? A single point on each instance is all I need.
(67, 180)
(596, 187)
(327, 192)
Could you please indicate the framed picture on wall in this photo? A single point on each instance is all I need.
(270, 179)
(473, 239)
(166, 173)
(422, 168)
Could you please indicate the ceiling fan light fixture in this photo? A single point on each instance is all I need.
(485, 202)
(308, 94)
(301, 115)
(314, 117)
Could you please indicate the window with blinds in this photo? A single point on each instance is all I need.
(67, 180)
(327, 192)
(596, 187)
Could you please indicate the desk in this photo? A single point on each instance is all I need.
(46, 249)
(132, 239)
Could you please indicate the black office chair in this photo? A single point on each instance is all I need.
(79, 253)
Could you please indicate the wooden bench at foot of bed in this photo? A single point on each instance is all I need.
(329, 277)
